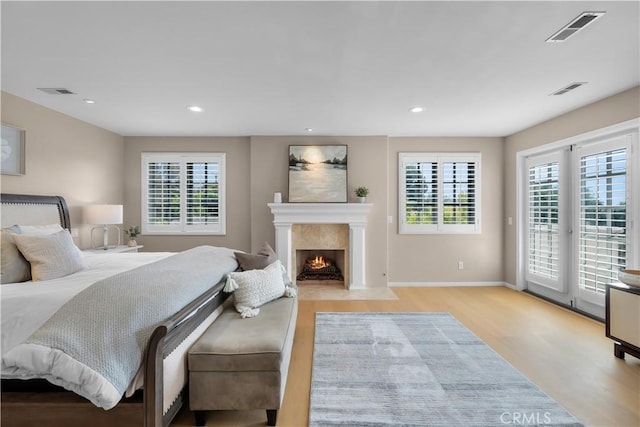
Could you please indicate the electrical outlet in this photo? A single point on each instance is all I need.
(390, 219)
(75, 232)
(460, 265)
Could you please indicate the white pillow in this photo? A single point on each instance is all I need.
(51, 256)
(253, 288)
(40, 230)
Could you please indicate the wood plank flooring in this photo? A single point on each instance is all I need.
(565, 354)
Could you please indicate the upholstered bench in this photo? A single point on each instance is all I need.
(243, 363)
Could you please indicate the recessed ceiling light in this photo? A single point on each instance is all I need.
(89, 101)
(194, 108)
(308, 129)
(416, 109)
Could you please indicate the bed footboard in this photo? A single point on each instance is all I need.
(165, 338)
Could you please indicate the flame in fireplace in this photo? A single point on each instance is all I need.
(318, 262)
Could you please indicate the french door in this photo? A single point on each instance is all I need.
(579, 220)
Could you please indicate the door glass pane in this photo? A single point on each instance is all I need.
(603, 218)
(544, 239)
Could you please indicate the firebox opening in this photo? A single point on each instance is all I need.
(322, 265)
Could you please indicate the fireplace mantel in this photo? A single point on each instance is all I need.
(353, 214)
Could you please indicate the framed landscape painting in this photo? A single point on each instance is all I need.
(317, 174)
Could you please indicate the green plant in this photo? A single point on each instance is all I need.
(132, 232)
(362, 191)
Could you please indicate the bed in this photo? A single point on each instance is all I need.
(157, 391)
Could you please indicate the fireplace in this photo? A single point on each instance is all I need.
(320, 265)
(314, 223)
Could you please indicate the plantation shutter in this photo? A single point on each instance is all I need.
(203, 205)
(183, 193)
(163, 193)
(421, 184)
(602, 242)
(543, 223)
(459, 193)
(439, 193)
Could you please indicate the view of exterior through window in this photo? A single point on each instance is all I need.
(603, 218)
(439, 192)
(183, 193)
(544, 230)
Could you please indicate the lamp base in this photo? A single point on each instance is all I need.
(105, 237)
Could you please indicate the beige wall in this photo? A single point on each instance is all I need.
(422, 258)
(615, 109)
(367, 167)
(92, 165)
(65, 157)
(238, 191)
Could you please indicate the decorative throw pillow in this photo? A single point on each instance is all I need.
(15, 268)
(51, 256)
(253, 288)
(265, 256)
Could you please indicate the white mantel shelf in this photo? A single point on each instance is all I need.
(320, 213)
(354, 214)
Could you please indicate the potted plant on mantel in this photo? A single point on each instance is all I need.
(132, 232)
(362, 193)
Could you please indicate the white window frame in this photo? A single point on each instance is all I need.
(182, 228)
(439, 227)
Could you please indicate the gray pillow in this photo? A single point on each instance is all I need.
(265, 257)
(51, 256)
(15, 268)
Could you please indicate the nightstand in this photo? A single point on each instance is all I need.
(117, 249)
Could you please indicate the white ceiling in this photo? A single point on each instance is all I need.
(342, 68)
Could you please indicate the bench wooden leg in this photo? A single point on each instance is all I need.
(272, 416)
(201, 418)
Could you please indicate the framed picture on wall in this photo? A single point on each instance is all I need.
(12, 147)
(317, 174)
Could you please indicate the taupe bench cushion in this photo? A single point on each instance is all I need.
(253, 344)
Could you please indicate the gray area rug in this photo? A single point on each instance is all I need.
(417, 369)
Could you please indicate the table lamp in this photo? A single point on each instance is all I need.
(105, 215)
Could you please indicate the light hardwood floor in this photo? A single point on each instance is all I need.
(565, 354)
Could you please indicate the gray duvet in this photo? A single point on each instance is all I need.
(95, 343)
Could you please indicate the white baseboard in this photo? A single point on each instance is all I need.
(509, 285)
(445, 284)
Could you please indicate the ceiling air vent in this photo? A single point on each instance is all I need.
(56, 91)
(568, 88)
(574, 26)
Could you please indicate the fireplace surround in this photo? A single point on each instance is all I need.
(353, 217)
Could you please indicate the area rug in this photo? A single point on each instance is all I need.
(417, 369)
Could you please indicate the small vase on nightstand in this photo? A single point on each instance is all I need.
(132, 243)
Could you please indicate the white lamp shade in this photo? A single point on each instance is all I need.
(103, 214)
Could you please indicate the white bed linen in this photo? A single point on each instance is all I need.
(26, 306)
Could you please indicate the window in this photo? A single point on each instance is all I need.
(183, 193)
(439, 193)
(545, 219)
(603, 218)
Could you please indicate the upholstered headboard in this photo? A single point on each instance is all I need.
(28, 209)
